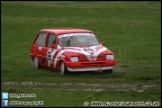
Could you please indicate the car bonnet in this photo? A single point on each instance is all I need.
(88, 51)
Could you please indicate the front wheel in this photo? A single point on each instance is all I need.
(63, 68)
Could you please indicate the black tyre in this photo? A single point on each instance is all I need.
(35, 63)
(63, 68)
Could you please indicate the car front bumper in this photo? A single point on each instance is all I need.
(90, 66)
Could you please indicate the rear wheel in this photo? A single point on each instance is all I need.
(35, 63)
(108, 71)
(63, 68)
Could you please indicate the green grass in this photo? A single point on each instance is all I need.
(130, 29)
(78, 97)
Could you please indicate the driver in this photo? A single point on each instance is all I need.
(74, 41)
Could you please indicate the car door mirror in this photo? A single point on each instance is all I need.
(54, 46)
(102, 42)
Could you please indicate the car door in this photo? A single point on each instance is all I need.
(51, 40)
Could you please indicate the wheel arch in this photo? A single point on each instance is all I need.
(61, 60)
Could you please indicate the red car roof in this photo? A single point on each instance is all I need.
(58, 31)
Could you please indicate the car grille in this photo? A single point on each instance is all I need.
(92, 63)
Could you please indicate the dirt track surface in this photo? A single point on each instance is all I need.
(83, 86)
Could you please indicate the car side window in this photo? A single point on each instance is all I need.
(51, 39)
(41, 39)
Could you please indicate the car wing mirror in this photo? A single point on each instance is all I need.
(54, 46)
(102, 42)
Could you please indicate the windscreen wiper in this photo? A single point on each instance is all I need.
(68, 41)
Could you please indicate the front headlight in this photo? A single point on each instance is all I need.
(74, 59)
(109, 57)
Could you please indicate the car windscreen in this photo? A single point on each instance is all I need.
(77, 39)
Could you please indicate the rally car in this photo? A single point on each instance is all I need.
(70, 50)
